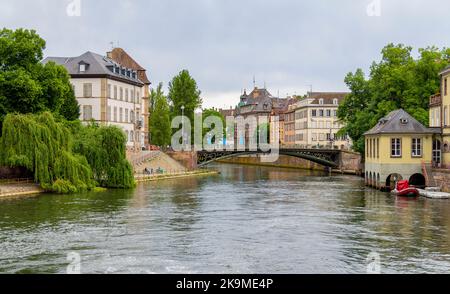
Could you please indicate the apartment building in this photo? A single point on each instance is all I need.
(316, 121)
(110, 93)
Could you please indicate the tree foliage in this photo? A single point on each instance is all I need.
(160, 118)
(183, 91)
(44, 146)
(104, 149)
(397, 81)
(211, 112)
(27, 85)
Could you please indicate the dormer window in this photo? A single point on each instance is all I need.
(321, 101)
(335, 101)
(404, 121)
(83, 66)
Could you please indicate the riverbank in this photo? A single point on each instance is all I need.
(152, 178)
(19, 190)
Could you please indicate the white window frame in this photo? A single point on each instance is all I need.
(396, 147)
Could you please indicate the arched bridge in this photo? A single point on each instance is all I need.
(326, 157)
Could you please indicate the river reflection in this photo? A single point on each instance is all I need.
(245, 220)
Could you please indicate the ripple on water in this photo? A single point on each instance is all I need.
(247, 220)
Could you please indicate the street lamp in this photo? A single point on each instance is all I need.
(182, 124)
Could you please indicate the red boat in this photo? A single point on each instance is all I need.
(404, 190)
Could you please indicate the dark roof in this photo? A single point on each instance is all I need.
(98, 65)
(123, 58)
(400, 122)
(261, 101)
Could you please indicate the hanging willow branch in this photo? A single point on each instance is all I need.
(44, 146)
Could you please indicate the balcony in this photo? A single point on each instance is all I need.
(435, 100)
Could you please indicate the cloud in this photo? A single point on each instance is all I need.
(289, 44)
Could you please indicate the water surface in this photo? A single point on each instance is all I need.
(246, 220)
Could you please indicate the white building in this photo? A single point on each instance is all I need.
(316, 121)
(109, 94)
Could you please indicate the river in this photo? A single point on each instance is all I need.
(245, 220)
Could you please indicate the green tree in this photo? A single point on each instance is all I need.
(398, 80)
(183, 92)
(160, 118)
(27, 85)
(212, 113)
(105, 151)
(44, 146)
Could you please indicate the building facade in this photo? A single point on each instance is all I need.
(110, 94)
(440, 106)
(397, 148)
(257, 108)
(316, 121)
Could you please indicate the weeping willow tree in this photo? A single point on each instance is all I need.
(104, 149)
(44, 146)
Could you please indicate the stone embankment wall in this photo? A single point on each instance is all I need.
(442, 179)
(351, 162)
(187, 159)
(283, 161)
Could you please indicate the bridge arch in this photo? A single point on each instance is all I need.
(326, 158)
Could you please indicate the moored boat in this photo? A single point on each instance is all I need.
(403, 189)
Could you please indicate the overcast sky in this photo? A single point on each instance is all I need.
(287, 44)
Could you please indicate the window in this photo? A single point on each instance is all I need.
(445, 116)
(367, 148)
(109, 91)
(314, 136)
(378, 148)
(108, 114)
(328, 113)
(138, 97)
(335, 101)
(322, 137)
(87, 112)
(87, 90)
(115, 92)
(120, 114)
(321, 101)
(132, 96)
(126, 115)
(335, 113)
(82, 67)
(314, 113)
(321, 112)
(416, 147)
(121, 94)
(396, 147)
(126, 95)
(445, 86)
(115, 114)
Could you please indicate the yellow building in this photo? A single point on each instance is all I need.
(440, 106)
(397, 148)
